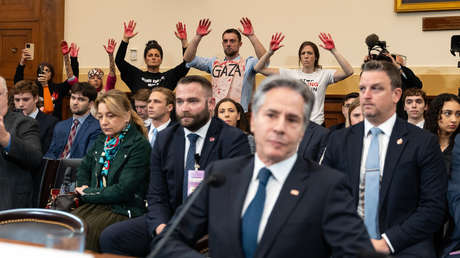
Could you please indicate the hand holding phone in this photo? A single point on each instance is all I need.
(30, 47)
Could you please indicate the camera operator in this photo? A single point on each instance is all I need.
(408, 78)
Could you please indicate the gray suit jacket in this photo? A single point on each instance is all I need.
(19, 162)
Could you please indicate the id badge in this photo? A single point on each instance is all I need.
(194, 179)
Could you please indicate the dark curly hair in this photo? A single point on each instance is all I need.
(434, 113)
(243, 123)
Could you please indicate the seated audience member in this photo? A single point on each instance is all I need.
(443, 119)
(453, 197)
(141, 98)
(95, 75)
(232, 113)
(355, 114)
(311, 73)
(112, 178)
(234, 76)
(273, 203)
(415, 106)
(159, 107)
(347, 100)
(25, 99)
(396, 170)
(153, 56)
(196, 140)
(52, 93)
(20, 155)
(73, 137)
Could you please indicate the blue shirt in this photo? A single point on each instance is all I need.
(205, 64)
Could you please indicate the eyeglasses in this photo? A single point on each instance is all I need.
(347, 105)
(448, 113)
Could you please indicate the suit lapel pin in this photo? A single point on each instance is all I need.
(211, 139)
(295, 192)
(399, 141)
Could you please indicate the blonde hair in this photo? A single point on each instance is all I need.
(118, 103)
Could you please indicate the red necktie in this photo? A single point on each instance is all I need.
(73, 131)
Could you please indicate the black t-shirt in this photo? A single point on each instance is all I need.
(137, 79)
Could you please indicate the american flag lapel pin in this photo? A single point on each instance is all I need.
(295, 192)
(399, 141)
(211, 139)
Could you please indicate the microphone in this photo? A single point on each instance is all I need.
(214, 180)
(372, 40)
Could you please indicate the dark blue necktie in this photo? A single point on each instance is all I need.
(253, 214)
(189, 162)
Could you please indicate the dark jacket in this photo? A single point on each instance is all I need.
(128, 174)
(19, 162)
(46, 124)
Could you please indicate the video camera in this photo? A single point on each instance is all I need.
(377, 48)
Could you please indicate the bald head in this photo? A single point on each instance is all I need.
(3, 97)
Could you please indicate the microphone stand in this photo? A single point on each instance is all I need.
(179, 217)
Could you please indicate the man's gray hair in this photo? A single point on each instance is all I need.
(3, 84)
(278, 81)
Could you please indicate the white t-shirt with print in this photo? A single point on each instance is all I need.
(317, 82)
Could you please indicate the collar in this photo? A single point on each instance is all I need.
(386, 126)
(236, 58)
(161, 127)
(147, 122)
(201, 132)
(279, 170)
(34, 114)
(82, 118)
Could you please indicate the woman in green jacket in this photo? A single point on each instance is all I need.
(113, 176)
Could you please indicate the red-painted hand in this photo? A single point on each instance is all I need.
(327, 41)
(111, 44)
(203, 27)
(129, 30)
(74, 50)
(64, 48)
(248, 30)
(277, 38)
(181, 32)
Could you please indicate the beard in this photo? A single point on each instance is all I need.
(230, 52)
(198, 121)
(79, 112)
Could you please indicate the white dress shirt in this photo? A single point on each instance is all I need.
(159, 129)
(384, 139)
(280, 172)
(421, 123)
(199, 142)
(34, 114)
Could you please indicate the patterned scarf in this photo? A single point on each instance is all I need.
(111, 147)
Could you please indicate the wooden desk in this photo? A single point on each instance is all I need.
(96, 255)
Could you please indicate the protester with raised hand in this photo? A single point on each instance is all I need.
(51, 93)
(153, 56)
(311, 73)
(234, 76)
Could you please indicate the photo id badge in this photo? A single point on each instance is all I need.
(194, 179)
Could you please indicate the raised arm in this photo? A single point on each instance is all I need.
(65, 49)
(328, 44)
(201, 31)
(181, 34)
(111, 78)
(248, 31)
(74, 49)
(261, 66)
(19, 74)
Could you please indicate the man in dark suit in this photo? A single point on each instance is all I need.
(396, 169)
(314, 142)
(74, 136)
(160, 103)
(168, 186)
(20, 155)
(25, 98)
(275, 203)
